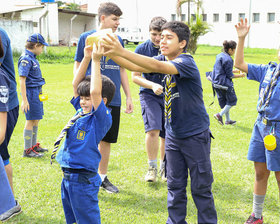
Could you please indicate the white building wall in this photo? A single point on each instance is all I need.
(80, 25)
(262, 34)
(18, 32)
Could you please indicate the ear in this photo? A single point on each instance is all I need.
(182, 44)
(102, 17)
(105, 100)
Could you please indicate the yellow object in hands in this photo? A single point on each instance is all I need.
(269, 142)
(97, 36)
(43, 97)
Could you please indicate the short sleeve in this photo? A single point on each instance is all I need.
(257, 72)
(4, 93)
(24, 67)
(76, 102)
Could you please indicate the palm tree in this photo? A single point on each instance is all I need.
(181, 2)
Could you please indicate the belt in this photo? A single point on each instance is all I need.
(268, 122)
(82, 177)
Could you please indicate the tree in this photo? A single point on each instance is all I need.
(198, 28)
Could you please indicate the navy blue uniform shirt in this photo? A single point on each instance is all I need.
(222, 72)
(29, 67)
(4, 91)
(188, 113)
(7, 64)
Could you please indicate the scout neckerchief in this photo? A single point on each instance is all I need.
(268, 90)
(64, 132)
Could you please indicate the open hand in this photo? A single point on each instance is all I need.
(242, 28)
(112, 45)
(24, 106)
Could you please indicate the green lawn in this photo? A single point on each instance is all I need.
(37, 183)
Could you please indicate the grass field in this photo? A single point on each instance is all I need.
(37, 183)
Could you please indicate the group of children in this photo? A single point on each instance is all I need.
(170, 94)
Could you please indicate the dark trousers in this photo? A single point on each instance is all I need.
(193, 154)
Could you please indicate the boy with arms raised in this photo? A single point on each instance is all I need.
(109, 16)
(267, 122)
(152, 103)
(79, 156)
(188, 138)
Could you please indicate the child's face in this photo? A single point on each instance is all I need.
(38, 49)
(170, 45)
(86, 104)
(111, 21)
(155, 37)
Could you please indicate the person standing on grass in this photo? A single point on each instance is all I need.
(188, 138)
(152, 102)
(79, 156)
(31, 82)
(268, 122)
(109, 16)
(8, 205)
(7, 65)
(222, 76)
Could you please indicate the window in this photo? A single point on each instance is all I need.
(194, 17)
(215, 17)
(270, 17)
(256, 17)
(241, 16)
(183, 17)
(228, 17)
(204, 17)
(173, 17)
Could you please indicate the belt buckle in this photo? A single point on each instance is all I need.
(264, 121)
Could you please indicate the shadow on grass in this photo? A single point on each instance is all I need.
(244, 129)
(23, 218)
(237, 200)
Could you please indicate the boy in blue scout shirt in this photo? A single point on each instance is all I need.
(188, 138)
(79, 156)
(109, 17)
(268, 122)
(152, 102)
(31, 82)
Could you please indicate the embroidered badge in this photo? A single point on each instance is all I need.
(81, 135)
(4, 94)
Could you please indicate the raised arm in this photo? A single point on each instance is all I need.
(242, 29)
(79, 74)
(96, 82)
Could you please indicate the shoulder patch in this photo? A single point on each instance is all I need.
(24, 63)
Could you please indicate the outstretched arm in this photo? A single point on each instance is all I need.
(79, 74)
(114, 50)
(242, 29)
(96, 82)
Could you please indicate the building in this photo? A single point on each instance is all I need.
(58, 26)
(222, 15)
